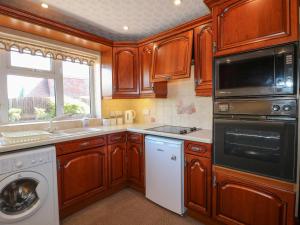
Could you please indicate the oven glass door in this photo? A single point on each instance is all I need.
(263, 147)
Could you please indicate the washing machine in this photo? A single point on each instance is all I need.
(28, 187)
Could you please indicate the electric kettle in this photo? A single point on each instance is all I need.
(129, 116)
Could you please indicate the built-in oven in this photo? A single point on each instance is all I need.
(258, 136)
(267, 72)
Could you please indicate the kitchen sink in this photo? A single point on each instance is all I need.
(77, 130)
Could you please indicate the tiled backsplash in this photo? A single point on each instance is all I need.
(181, 107)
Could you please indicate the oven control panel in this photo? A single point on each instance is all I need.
(264, 107)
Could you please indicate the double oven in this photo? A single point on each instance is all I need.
(256, 112)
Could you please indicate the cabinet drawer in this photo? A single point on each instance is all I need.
(135, 137)
(78, 145)
(197, 148)
(116, 138)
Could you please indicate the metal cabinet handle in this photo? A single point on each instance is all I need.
(197, 149)
(84, 144)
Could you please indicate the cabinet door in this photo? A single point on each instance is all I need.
(135, 165)
(172, 57)
(198, 184)
(125, 72)
(82, 174)
(203, 44)
(239, 201)
(147, 88)
(116, 164)
(249, 24)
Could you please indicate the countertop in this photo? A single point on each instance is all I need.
(203, 135)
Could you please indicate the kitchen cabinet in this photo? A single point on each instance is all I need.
(135, 161)
(241, 25)
(172, 57)
(148, 88)
(117, 164)
(197, 177)
(125, 72)
(242, 198)
(203, 57)
(81, 175)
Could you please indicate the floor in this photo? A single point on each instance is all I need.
(127, 207)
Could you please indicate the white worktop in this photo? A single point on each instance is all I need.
(203, 135)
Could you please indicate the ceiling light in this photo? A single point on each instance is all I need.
(177, 2)
(44, 5)
(125, 27)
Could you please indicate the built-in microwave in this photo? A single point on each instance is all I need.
(267, 72)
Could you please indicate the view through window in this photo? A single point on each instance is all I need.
(33, 93)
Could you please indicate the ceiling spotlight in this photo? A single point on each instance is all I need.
(177, 2)
(125, 27)
(44, 5)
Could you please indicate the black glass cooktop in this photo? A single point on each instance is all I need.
(174, 129)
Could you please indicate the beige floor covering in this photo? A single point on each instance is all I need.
(127, 207)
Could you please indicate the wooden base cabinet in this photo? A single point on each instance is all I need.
(197, 178)
(135, 161)
(198, 184)
(117, 164)
(81, 175)
(245, 199)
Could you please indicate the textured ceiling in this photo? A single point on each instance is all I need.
(107, 17)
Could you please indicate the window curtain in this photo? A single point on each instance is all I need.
(10, 44)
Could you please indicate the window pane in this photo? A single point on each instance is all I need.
(30, 61)
(30, 98)
(76, 88)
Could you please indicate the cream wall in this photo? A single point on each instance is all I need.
(181, 107)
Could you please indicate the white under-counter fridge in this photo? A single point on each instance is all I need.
(164, 171)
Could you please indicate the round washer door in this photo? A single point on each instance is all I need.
(22, 195)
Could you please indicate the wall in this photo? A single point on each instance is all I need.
(181, 107)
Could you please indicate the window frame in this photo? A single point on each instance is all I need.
(56, 73)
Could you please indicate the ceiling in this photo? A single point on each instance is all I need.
(107, 17)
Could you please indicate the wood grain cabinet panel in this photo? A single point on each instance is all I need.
(203, 51)
(198, 184)
(116, 164)
(135, 165)
(241, 25)
(82, 174)
(172, 57)
(125, 72)
(240, 201)
(147, 88)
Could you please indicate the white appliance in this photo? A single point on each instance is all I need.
(164, 172)
(129, 116)
(28, 188)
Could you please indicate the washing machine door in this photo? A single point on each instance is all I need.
(21, 195)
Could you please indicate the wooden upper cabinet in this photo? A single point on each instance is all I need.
(147, 88)
(82, 174)
(125, 72)
(198, 184)
(241, 25)
(203, 51)
(116, 164)
(172, 57)
(245, 200)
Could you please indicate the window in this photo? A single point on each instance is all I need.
(37, 88)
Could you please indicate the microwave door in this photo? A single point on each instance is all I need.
(245, 77)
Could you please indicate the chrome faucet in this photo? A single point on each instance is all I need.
(51, 129)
